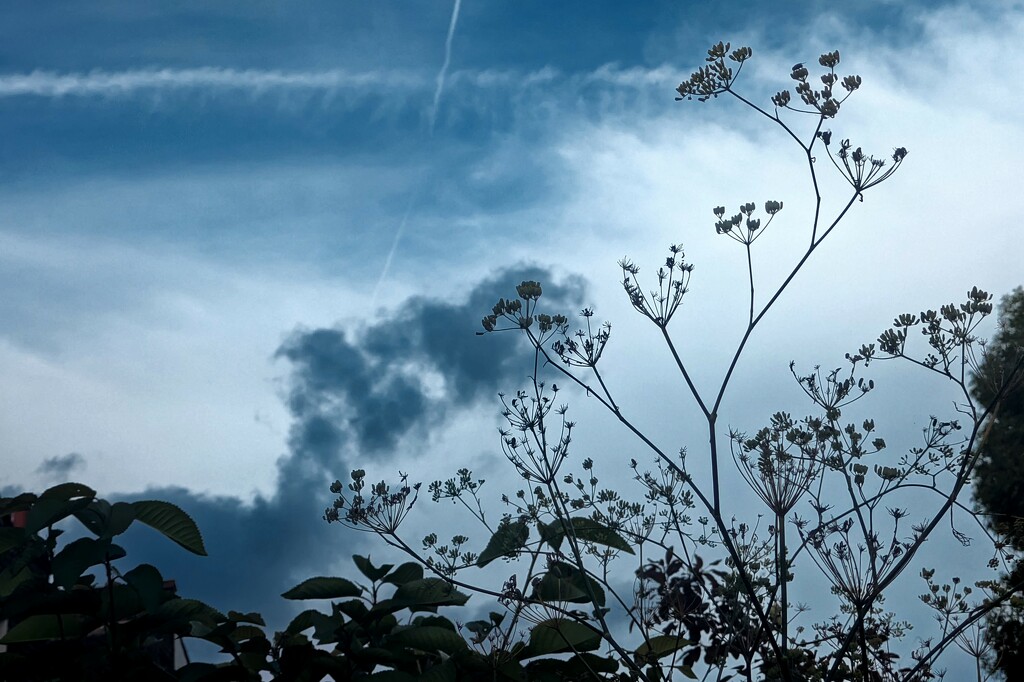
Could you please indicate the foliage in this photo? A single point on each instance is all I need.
(75, 613)
(665, 578)
(662, 580)
(999, 479)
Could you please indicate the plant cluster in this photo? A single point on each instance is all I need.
(668, 578)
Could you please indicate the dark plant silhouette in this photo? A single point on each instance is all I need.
(834, 499)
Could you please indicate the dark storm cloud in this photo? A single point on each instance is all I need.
(60, 467)
(353, 394)
(371, 379)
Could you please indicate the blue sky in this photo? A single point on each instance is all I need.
(243, 250)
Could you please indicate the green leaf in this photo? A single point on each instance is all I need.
(507, 540)
(565, 583)
(558, 635)
(106, 520)
(428, 638)
(586, 529)
(49, 627)
(48, 511)
(368, 569)
(427, 592)
(323, 588)
(405, 573)
(11, 579)
(190, 610)
(582, 666)
(660, 646)
(242, 633)
(303, 621)
(122, 514)
(172, 522)
(80, 555)
(67, 491)
(11, 538)
(252, 617)
(148, 584)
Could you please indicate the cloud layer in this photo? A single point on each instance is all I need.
(356, 396)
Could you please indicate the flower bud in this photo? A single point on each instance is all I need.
(741, 54)
(829, 59)
(781, 99)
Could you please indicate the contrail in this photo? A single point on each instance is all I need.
(444, 67)
(394, 248)
(433, 119)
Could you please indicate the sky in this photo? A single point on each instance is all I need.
(246, 247)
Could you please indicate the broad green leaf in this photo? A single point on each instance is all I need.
(11, 579)
(95, 516)
(661, 645)
(582, 666)
(565, 583)
(405, 573)
(80, 555)
(507, 540)
(119, 602)
(49, 510)
(558, 635)
(106, 520)
(246, 632)
(190, 610)
(148, 584)
(323, 588)
(435, 621)
(427, 592)
(122, 514)
(367, 568)
(303, 621)
(11, 538)
(49, 627)
(251, 617)
(172, 522)
(67, 491)
(585, 529)
(428, 638)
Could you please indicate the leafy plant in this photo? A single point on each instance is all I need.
(999, 487)
(576, 552)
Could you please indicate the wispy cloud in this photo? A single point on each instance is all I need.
(213, 79)
(59, 468)
(120, 83)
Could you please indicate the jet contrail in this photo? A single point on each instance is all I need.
(391, 253)
(433, 119)
(444, 67)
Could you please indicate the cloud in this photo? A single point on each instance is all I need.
(59, 468)
(208, 80)
(121, 83)
(355, 393)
